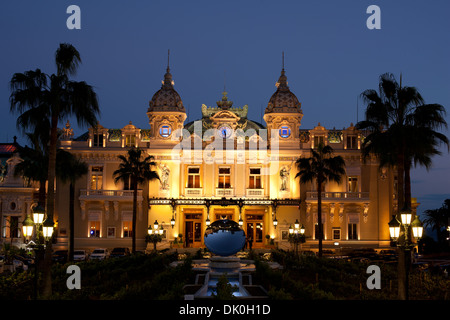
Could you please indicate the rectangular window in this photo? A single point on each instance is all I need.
(352, 142)
(96, 178)
(254, 178)
(352, 184)
(98, 140)
(336, 233)
(316, 231)
(193, 180)
(130, 140)
(94, 229)
(224, 177)
(318, 140)
(11, 228)
(352, 231)
(127, 229)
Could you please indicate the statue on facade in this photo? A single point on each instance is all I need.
(284, 175)
(165, 173)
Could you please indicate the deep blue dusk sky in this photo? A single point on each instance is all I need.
(330, 57)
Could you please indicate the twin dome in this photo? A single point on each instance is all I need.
(168, 99)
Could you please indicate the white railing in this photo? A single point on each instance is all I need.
(108, 193)
(193, 192)
(221, 192)
(339, 195)
(254, 192)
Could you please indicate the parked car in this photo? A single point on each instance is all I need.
(388, 254)
(119, 252)
(99, 254)
(80, 255)
(60, 256)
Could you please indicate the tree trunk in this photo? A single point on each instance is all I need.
(400, 182)
(42, 193)
(135, 191)
(71, 220)
(408, 185)
(47, 276)
(319, 215)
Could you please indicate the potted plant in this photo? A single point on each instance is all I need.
(178, 242)
(270, 241)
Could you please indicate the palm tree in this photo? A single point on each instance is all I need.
(134, 170)
(321, 167)
(34, 165)
(54, 97)
(72, 168)
(401, 130)
(439, 220)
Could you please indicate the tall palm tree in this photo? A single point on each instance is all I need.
(72, 168)
(401, 133)
(321, 167)
(135, 169)
(401, 130)
(37, 95)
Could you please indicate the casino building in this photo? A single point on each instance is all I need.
(223, 165)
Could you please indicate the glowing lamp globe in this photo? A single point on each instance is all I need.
(224, 237)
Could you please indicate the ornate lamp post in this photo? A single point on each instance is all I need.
(405, 245)
(296, 235)
(155, 235)
(47, 229)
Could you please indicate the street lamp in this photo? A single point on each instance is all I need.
(155, 235)
(27, 227)
(394, 228)
(405, 246)
(417, 228)
(296, 235)
(47, 228)
(38, 214)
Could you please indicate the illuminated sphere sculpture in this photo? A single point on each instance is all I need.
(224, 237)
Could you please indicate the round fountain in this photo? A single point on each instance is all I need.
(224, 238)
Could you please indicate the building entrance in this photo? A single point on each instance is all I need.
(255, 229)
(193, 230)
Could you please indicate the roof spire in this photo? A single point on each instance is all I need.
(168, 60)
(168, 77)
(282, 81)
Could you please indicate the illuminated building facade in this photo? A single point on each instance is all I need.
(224, 165)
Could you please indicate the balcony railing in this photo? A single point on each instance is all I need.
(224, 192)
(254, 192)
(339, 195)
(108, 193)
(193, 192)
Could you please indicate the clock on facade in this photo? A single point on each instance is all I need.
(225, 132)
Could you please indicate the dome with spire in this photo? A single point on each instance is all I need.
(166, 98)
(283, 100)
